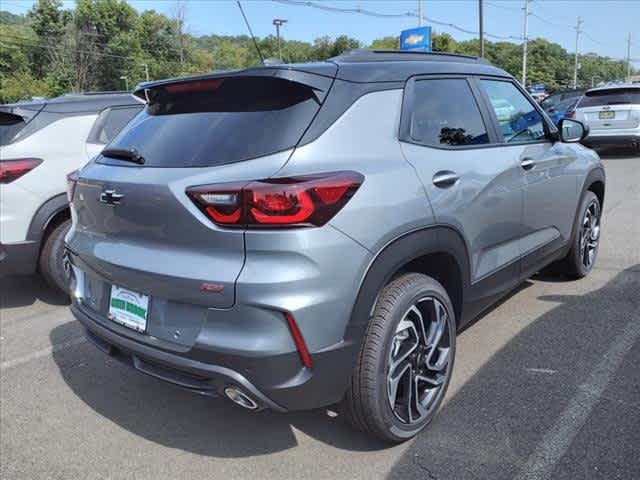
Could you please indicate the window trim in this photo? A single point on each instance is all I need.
(551, 132)
(408, 103)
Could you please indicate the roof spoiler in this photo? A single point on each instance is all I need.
(318, 82)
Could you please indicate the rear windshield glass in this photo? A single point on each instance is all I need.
(611, 97)
(213, 122)
(10, 125)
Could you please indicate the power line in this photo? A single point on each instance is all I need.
(371, 13)
(20, 42)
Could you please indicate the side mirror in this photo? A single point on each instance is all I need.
(572, 131)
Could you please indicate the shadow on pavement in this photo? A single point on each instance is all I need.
(491, 426)
(21, 291)
(486, 430)
(172, 417)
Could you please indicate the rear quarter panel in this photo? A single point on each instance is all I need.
(61, 147)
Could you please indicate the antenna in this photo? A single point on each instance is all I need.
(250, 32)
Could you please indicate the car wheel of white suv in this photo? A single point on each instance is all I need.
(50, 261)
(406, 360)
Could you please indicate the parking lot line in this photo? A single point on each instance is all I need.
(558, 439)
(41, 353)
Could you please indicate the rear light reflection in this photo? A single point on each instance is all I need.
(72, 181)
(278, 202)
(11, 170)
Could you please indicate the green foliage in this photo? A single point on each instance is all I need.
(50, 50)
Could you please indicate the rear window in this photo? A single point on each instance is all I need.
(218, 121)
(611, 97)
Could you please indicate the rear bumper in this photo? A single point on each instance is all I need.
(18, 258)
(209, 372)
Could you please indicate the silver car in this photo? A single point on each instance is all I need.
(297, 236)
(612, 115)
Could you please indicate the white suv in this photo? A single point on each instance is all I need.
(613, 116)
(40, 142)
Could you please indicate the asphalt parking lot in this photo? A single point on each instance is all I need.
(546, 385)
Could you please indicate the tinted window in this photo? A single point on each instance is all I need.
(110, 122)
(518, 119)
(10, 125)
(214, 122)
(611, 97)
(445, 113)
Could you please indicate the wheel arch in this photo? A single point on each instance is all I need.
(49, 214)
(438, 251)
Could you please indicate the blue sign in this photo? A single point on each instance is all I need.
(416, 39)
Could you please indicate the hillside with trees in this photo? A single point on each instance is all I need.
(51, 50)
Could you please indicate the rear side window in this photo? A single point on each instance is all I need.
(10, 126)
(518, 119)
(611, 97)
(445, 113)
(218, 121)
(110, 122)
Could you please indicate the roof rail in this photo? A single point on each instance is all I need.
(106, 92)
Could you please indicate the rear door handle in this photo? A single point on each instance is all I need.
(528, 163)
(445, 178)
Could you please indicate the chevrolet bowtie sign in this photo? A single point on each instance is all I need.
(416, 39)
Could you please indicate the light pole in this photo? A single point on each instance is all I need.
(278, 22)
(576, 65)
(525, 40)
(126, 82)
(481, 29)
(146, 70)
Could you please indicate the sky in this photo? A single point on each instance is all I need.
(606, 23)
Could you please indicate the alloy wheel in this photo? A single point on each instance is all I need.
(590, 234)
(419, 360)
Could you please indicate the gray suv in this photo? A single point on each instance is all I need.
(297, 236)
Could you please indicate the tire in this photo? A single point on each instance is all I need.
(576, 264)
(50, 261)
(389, 336)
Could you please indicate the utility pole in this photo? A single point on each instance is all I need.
(420, 13)
(278, 22)
(525, 40)
(146, 70)
(629, 58)
(481, 29)
(575, 63)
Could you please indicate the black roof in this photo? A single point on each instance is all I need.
(398, 65)
(76, 102)
(362, 66)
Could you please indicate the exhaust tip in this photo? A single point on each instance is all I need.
(240, 398)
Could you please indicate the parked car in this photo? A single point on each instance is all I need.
(560, 96)
(297, 236)
(40, 142)
(563, 109)
(612, 115)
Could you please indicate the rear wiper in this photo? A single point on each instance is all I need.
(127, 154)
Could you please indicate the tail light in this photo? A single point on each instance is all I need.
(277, 202)
(72, 181)
(11, 170)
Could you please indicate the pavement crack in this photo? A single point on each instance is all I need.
(424, 468)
